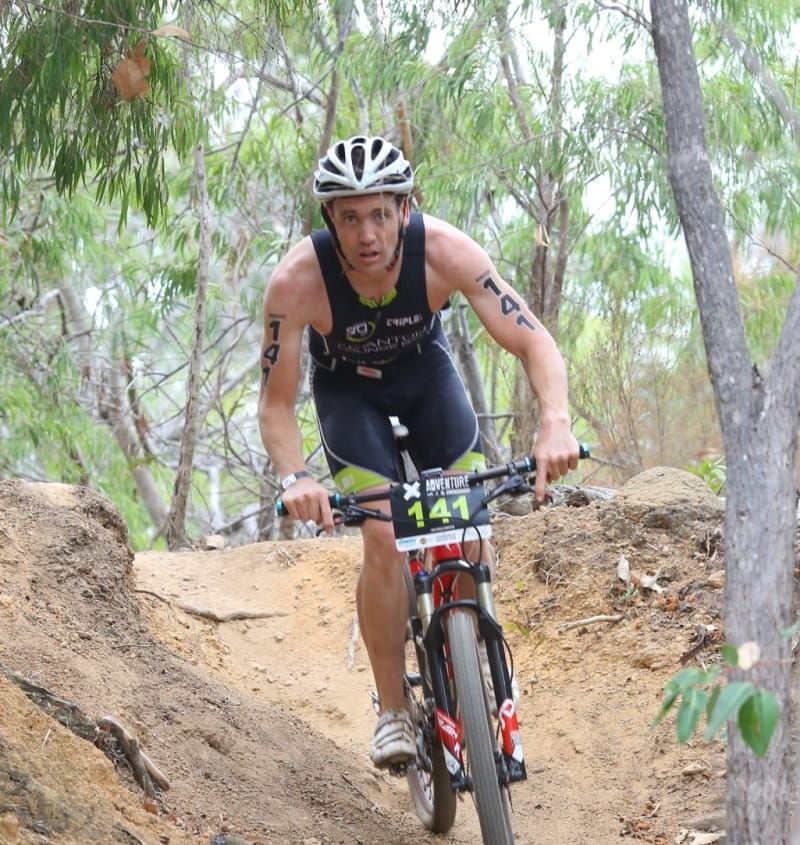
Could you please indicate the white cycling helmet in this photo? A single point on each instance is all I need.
(362, 165)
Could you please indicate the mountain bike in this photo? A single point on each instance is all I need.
(459, 667)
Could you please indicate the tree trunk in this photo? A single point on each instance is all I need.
(175, 532)
(758, 418)
(759, 558)
(101, 391)
(117, 415)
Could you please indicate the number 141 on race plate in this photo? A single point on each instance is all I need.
(438, 509)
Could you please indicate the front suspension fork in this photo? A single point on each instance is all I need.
(511, 766)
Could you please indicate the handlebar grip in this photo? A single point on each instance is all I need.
(529, 464)
(335, 500)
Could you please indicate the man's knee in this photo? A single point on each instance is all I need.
(480, 550)
(380, 551)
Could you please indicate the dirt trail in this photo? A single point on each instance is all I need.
(241, 674)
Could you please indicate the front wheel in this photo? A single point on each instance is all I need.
(491, 801)
(428, 780)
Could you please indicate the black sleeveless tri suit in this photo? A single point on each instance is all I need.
(384, 359)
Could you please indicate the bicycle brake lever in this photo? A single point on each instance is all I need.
(356, 514)
(515, 485)
(353, 515)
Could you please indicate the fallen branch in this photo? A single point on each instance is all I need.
(229, 617)
(66, 713)
(147, 774)
(213, 615)
(704, 636)
(591, 620)
(100, 733)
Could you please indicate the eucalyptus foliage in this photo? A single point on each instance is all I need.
(61, 114)
(497, 105)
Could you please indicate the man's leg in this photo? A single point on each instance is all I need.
(382, 617)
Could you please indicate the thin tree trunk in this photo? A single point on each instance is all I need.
(758, 418)
(116, 415)
(175, 532)
(344, 24)
(107, 400)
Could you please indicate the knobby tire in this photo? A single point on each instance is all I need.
(490, 801)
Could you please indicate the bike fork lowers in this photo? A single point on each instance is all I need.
(510, 762)
(511, 747)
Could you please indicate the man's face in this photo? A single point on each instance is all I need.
(367, 228)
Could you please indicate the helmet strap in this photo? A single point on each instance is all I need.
(401, 233)
(332, 229)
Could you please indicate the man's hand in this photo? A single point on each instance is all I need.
(556, 453)
(306, 500)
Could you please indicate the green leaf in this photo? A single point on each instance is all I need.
(724, 705)
(686, 678)
(677, 684)
(730, 654)
(519, 628)
(790, 632)
(689, 713)
(758, 717)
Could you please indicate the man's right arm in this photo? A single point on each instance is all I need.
(286, 314)
(280, 377)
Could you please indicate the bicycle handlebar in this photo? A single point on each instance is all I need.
(510, 469)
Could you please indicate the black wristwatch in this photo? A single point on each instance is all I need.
(292, 477)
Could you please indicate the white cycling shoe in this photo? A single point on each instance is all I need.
(395, 742)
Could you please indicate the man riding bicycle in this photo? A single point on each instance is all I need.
(368, 289)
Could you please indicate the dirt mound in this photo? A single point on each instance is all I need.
(71, 623)
(241, 673)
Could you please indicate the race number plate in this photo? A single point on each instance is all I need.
(436, 510)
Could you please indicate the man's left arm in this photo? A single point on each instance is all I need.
(513, 325)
